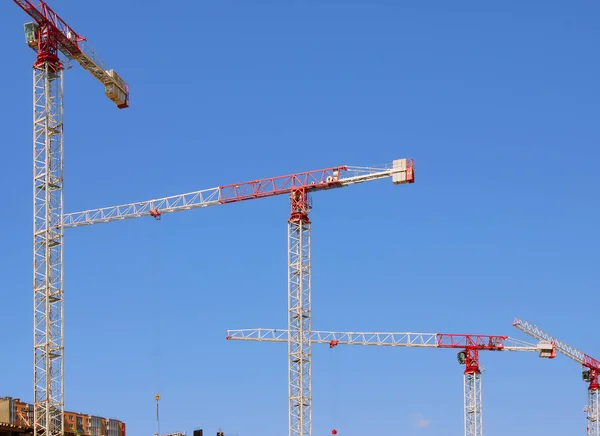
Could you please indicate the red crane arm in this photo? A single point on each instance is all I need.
(480, 342)
(310, 180)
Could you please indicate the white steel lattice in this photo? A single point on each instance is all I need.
(48, 251)
(377, 339)
(473, 412)
(566, 349)
(299, 326)
(593, 413)
(472, 377)
(174, 203)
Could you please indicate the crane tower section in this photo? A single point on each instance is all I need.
(299, 316)
(50, 37)
(47, 247)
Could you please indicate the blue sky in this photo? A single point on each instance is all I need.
(496, 102)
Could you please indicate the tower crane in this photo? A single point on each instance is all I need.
(590, 373)
(56, 44)
(469, 346)
(298, 186)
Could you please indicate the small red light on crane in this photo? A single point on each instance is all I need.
(334, 431)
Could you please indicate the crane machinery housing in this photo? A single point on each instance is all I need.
(469, 346)
(50, 36)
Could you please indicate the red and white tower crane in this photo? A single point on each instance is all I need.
(469, 346)
(298, 186)
(55, 43)
(590, 373)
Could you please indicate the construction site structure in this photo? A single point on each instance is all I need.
(297, 186)
(590, 373)
(50, 36)
(56, 45)
(19, 415)
(469, 346)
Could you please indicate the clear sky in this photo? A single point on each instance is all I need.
(497, 102)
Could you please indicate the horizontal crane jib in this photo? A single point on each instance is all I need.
(401, 171)
(390, 339)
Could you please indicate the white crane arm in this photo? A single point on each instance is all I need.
(174, 203)
(350, 338)
(404, 339)
(563, 348)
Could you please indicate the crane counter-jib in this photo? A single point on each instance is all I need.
(115, 88)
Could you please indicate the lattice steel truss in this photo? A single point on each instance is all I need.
(470, 345)
(473, 398)
(48, 248)
(593, 413)
(590, 374)
(299, 319)
(48, 35)
(297, 186)
(473, 409)
(54, 41)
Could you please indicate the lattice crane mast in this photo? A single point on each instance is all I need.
(469, 346)
(56, 44)
(298, 186)
(590, 374)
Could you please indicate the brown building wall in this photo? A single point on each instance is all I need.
(5, 410)
(75, 423)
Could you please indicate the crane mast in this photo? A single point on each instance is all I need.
(590, 374)
(50, 36)
(48, 412)
(469, 346)
(299, 316)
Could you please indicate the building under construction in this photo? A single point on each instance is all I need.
(16, 418)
